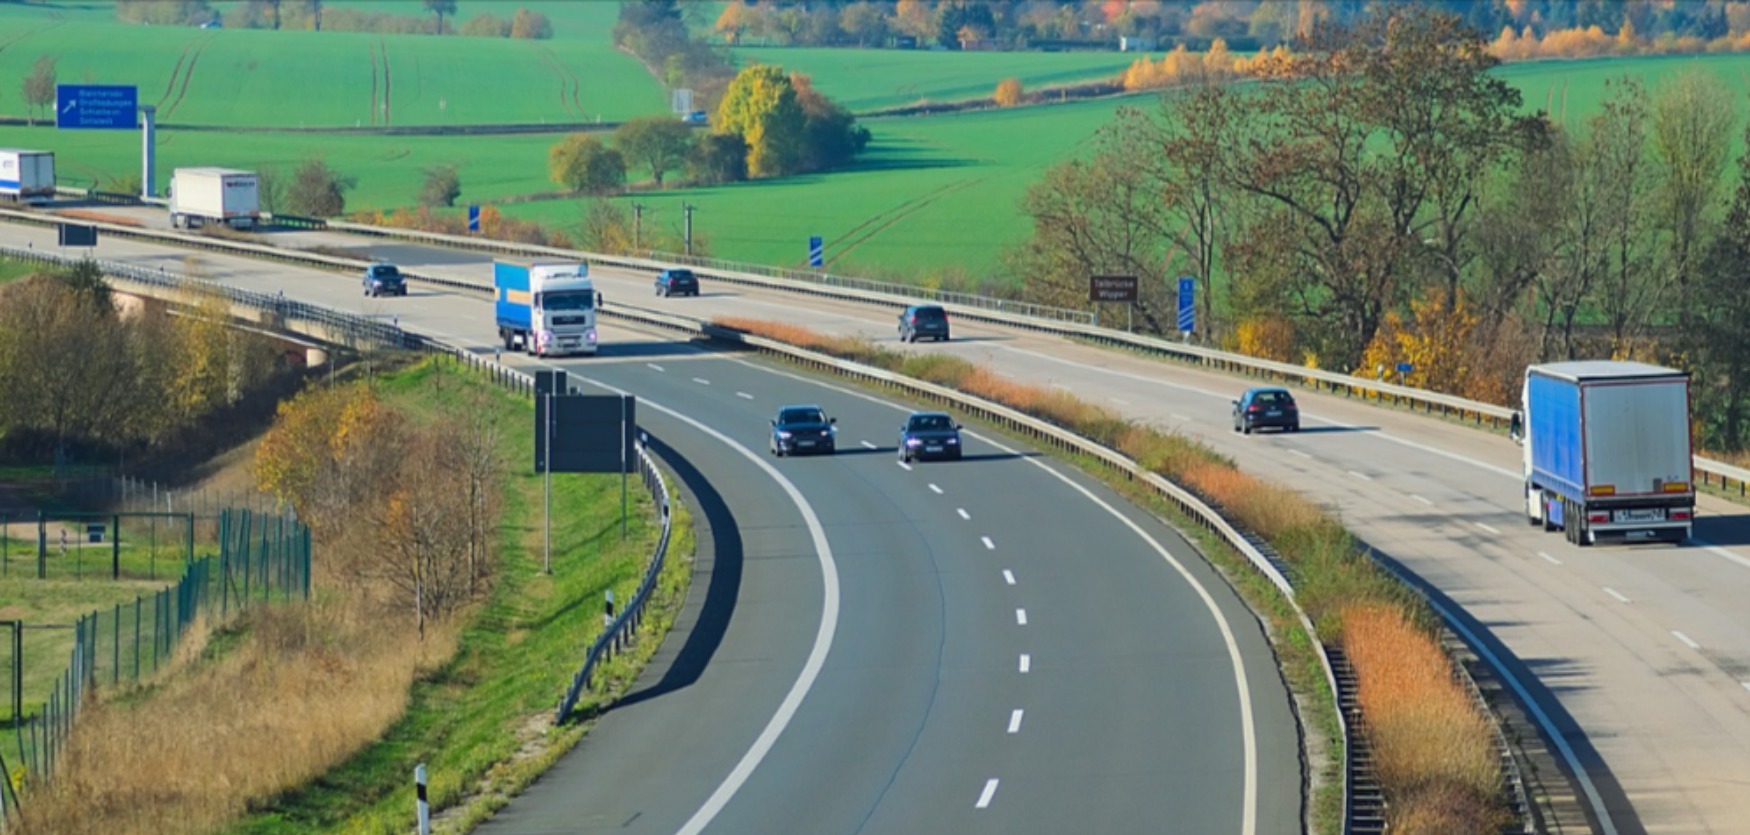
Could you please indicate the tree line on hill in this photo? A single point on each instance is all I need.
(1379, 197)
(318, 16)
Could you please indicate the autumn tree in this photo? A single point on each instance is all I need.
(64, 370)
(1717, 326)
(441, 186)
(333, 451)
(317, 190)
(1693, 114)
(527, 24)
(831, 136)
(39, 86)
(761, 107)
(582, 163)
(605, 228)
(659, 142)
(1008, 92)
(865, 22)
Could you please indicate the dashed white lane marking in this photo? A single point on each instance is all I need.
(1020, 617)
(935, 489)
(1746, 684)
(988, 545)
(1422, 500)
(904, 466)
(1552, 560)
(990, 791)
(963, 513)
(1015, 721)
(1489, 528)
(1361, 476)
(1616, 594)
(1008, 576)
(744, 395)
(867, 445)
(701, 381)
(655, 366)
(1026, 662)
(1687, 641)
(1306, 455)
(1119, 400)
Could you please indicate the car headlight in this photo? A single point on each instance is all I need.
(913, 442)
(783, 436)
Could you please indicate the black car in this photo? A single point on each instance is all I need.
(923, 321)
(800, 429)
(384, 280)
(929, 435)
(1262, 407)
(677, 283)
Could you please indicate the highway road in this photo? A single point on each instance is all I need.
(1639, 657)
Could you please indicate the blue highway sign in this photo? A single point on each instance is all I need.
(97, 106)
(1187, 304)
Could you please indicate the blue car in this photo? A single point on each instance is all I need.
(803, 429)
(1262, 407)
(929, 435)
(677, 282)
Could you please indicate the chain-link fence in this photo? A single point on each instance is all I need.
(47, 668)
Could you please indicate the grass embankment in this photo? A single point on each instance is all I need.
(302, 718)
(1435, 751)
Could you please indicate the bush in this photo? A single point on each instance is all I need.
(442, 186)
(317, 190)
(1008, 92)
(582, 163)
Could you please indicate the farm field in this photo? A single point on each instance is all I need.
(868, 79)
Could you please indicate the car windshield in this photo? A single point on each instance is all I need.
(385, 272)
(931, 422)
(795, 416)
(930, 313)
(1273, 398)
(568, 300)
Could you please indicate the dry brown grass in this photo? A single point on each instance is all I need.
(1434, 751)
(1271, 510)
(305, 687)
(100, 217)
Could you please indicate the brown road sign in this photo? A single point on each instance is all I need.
(1112, 288)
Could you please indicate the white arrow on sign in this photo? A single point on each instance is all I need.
(70, 105)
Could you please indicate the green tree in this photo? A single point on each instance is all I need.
(39, 86)
(718, 158)
(582, 163)
(530, 25)
(443, 184)
(1693, 114)
(1717, 329)
(762, 108)
(831, 136)
(317, 190)
(441, 8)
(660, 142)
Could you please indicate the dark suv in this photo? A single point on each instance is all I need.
(677, 283)
(799, 429)
(384, 280)
(923, 321)
(1262, 407)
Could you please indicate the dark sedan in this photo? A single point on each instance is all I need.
(677, 283)
(929, 435)
(1266, 407)
(802, 429)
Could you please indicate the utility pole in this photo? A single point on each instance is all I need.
(637, 226)
(688, 208)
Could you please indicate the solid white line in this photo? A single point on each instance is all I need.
(1550, 558)
(990, 790)
(1305, 455)
(1020, 617)
(936, 490)
(1008, 576)
(1721, 552)
(1688, 641)
(1616, 594)
(904, 466)
(988, 545)
(744, 395)
(655, 366)
(1026, 662)
(1180, 418)
(1015, 721)
(1421, 499)
(1489, 528)
(963, 513)
(701, 381)
(867, 445)
(1361, 476)
(823, 633)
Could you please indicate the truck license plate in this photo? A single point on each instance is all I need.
(1649, 514)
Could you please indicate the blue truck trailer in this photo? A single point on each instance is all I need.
(1607, 451)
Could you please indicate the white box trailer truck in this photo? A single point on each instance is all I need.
(27, 176)
(199, 196)
(1607, 451)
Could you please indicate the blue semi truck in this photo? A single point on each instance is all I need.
(546, 309)
(1607, 451)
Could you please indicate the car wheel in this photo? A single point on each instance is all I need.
(1246, 429)
(1294, 427)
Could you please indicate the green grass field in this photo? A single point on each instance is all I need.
(867, 79)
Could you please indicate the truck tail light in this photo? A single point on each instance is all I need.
(1675, 487)
(1681, 514)
(1598, 516)
(1602, 490)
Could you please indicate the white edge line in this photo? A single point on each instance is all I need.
(1616, 594)
(1027, 665)
(1422, 499)
(1306, 455)
(1178, 417)
(1746, 684)
(655, 366)
(1552, 560)
(867, 445)
(823, 633)
(1550, 730)
(1242, 683)
(1008, 576)
(1020, 617)
(1362, 476)
(936, 490)
(701, 381)
(903, 466)
(1687, 641)
(990, 790)
(1015, 721)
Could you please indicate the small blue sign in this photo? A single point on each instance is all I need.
(1405, 368)
(1187, 304)
(816, 252)
(97, 106)
(473, 218)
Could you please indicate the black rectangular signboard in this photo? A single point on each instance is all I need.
(592, 434)
(77, 234)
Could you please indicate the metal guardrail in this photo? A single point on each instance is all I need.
(625, 625)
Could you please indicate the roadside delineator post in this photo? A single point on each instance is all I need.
(424, 806)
